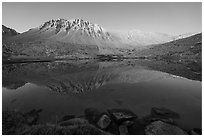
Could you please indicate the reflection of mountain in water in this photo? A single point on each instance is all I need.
(59, 76)
(13, 84)
(68, 76)
(82, 76)
(82, 79)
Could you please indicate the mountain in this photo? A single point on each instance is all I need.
(185, 35)
(186, 48)
(74, 31)
(73, 38)
(186, 51)
(78, 31)
(69, 32)
(8, 32)
(140, 39)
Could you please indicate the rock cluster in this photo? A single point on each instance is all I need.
(161, 121)
(95, 122)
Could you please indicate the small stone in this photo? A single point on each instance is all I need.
(113, 128)
(161, 128)
(163, 112)
(121, 115)
(123, 130)
(128, 123)
(193, 133)
(136, 129)
(92, 114)
(31, 120)
(104, 121)
(196, 131)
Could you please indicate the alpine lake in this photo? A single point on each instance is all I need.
(72, 88)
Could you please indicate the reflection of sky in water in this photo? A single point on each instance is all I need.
(109, 86)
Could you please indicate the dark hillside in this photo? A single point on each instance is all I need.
(186, 48)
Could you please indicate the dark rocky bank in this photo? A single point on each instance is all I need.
(160, 121)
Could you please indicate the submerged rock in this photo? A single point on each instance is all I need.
(14, 122)
(113, 128)
(161, 128)
(121, 115)
(163, 112)
(104, 121)
(128, 123)
(92, 115)
(32, 116)
(65, 118)
(136, 129)
(123, 130)
(149, 119)
(192, 132)
(196, 131)
(11, 121)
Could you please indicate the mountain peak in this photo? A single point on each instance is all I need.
(8, 32)
(73, 25)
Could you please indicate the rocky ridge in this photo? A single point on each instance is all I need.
(8, 32)
(90, 29)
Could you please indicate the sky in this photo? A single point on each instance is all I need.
(171, 18)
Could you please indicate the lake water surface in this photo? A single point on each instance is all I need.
(66, 87)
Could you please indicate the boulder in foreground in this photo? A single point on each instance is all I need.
(161, 128)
